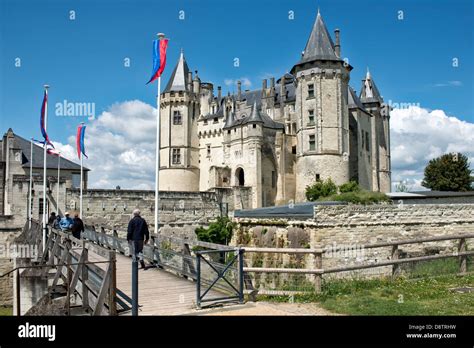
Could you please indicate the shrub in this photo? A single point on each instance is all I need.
(320, 189)
(360, 197)
(351, 186)
(219, 231)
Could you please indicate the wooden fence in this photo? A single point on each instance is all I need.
(395, 261)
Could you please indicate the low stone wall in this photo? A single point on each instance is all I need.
(8, 232)
(342, 231)
(113, 208)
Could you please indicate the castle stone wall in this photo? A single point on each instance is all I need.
(351, 227)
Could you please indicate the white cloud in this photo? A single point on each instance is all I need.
(449, 84)
(120, 144)
(418, 135)
(246, 83)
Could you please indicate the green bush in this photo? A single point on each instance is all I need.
(320, 189)
(359, 197)
(219, 231)
(351, 186)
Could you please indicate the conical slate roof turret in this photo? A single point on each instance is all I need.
(179, 78)
(320, 45)
(255, 116)
(369, 92)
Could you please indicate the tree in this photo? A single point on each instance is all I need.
(402, 187)
(449, 172)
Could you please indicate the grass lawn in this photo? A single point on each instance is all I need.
(6, 311)
(403, 296)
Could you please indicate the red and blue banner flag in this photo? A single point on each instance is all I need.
(159, 58)
(81, 129)
(42, 120)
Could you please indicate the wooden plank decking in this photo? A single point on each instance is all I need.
(159, 292)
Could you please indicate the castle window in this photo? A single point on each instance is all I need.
(76, 180)
(176, 156)
(40, 211)
(273, 179)
(310, 90)
(318, 177)
(208, 150)
(293, 150)
(311, 116)
(177, 117)
(312, 143)
(367, 141)
(228, 131)
(215, 119)
(254, 125)
(205, 122)
(362, 138)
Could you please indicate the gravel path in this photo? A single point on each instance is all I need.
(268, 308)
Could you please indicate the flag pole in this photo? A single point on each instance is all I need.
(45, 213)
(30, 195)
(82, 184)
(59, 173)
(161, 36)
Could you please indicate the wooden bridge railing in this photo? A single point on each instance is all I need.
(95, 286)
(182, 257)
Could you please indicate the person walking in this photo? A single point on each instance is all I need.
(77, 226)
(138, 235)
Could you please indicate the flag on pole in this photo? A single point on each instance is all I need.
(159, 58)
(81, 129)
(42, 120)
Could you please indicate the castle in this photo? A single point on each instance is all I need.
(308, 125)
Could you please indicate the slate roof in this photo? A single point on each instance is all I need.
(179, 78)
(51, 160)
(369, 91)
(255, 117)
(320, 45)
(353, 100)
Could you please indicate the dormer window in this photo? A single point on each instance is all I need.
(215, 120)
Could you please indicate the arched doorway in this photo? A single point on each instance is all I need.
(240, 177)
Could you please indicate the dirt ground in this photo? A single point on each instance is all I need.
(267, 308)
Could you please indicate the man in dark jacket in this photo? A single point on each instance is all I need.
(77, 226)
(137, 232)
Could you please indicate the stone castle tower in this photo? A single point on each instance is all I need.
(268, 144)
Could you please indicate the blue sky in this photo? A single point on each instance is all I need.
(83, 59)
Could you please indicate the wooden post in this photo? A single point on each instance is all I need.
(463, 258)
(318, 264)
(395, 255)
(112, 284)
(85, 277)
(18, 292)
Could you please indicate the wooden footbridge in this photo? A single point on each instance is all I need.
(95, 273)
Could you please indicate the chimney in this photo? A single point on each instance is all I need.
(219, 92)
(264, 84)
(190, 81)
(338, 43)
(196, 83)
(282, 89)
(272, 82)
(239, 90)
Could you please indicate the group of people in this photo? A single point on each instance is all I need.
(76, 226)
(137, 231)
